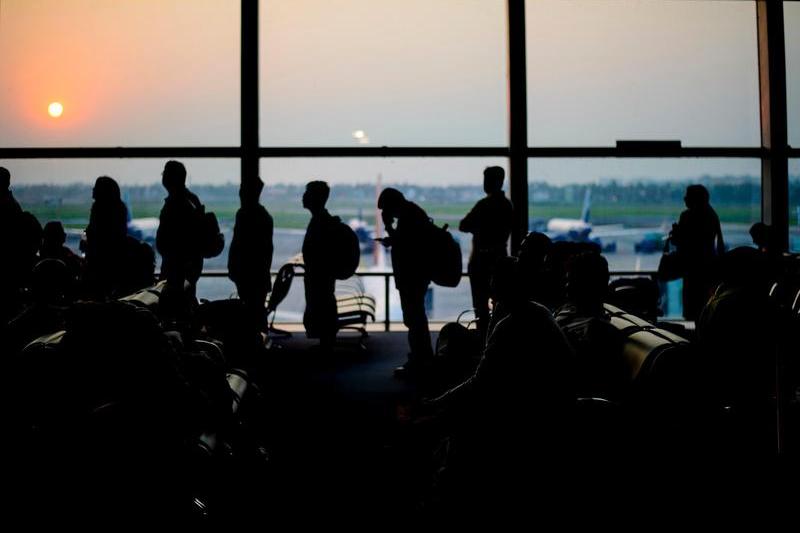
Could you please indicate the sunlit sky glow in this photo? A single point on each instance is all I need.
(405, 72)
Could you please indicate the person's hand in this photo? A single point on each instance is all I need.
(388, 219)
(385, 241)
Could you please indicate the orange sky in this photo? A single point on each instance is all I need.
(408, 72)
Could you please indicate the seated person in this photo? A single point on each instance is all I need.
(50, 283)
(597, 344)
(737, 331)
(53, 239)
(508, 410)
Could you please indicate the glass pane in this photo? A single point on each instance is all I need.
(794, 205)
(394, 72)
(628, 206)
(791, 14)
(61, 189)
(642, 69)
(445, 187)
(126, 73)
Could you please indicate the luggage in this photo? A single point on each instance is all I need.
(445, 257)
(213, 241)
(348, 251)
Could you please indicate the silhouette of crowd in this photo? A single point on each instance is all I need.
(565, 371)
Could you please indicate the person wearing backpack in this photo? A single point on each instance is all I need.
(319, 253)
(412, 272)
(250, 256)
(179, 238)
(490, 222)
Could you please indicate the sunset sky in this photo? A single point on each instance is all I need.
(407, 72)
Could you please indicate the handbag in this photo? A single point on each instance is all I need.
(670, 266)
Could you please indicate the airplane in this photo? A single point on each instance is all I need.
(650, 243)
(577, 229)
(365, 233)
(143, 229)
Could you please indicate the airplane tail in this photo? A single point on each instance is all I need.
(587, 205)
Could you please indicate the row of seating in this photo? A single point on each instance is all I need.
(355, 307)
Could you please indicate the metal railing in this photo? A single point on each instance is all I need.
(386, 275)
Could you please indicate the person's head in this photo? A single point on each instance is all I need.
(316, 196)
(5, 179)
(250, 191)
(106, 190)
(696, 197)
(587, 279)
(761, 235)
(743, 267)
(174, 176)
(533, 250)
(391, 201)
(49, 281)
(493, 179)
(53, 235)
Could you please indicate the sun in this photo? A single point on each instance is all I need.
(55, 109)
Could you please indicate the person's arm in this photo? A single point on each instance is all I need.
(468, 223)
(720, 240)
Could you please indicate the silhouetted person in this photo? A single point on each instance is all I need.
(250, 255)
(490, 222)
(320, 317)
(532, 256)
(105, 238)
(8, 204)
(139, 270)
(13, 264)
(698, 239)
(737, 331)
(411, 271)
(51, 284)
(179, 236)
(584, 321)
(53, 239)
(504, 418)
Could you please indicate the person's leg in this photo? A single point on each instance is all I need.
(329, 313)
(412, 301)
(310, 313)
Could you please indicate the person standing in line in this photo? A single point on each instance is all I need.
(320, 317)
(250, 255)
(179, 236)
(407, 225)
(105, 238)
(698, 239)
(490, 222)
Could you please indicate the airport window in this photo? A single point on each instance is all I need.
(599, 72)
(389, 73)
(341, 78)
(123, 73)
(794, 205)
(628, 206)
(792, 32)
(61, 189)
(445, 187)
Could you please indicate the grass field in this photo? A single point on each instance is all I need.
(75, 215)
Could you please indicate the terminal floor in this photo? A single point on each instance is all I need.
(335, 442)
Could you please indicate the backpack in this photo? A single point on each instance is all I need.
(213, 241)
(445, 257)
(348, 251)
